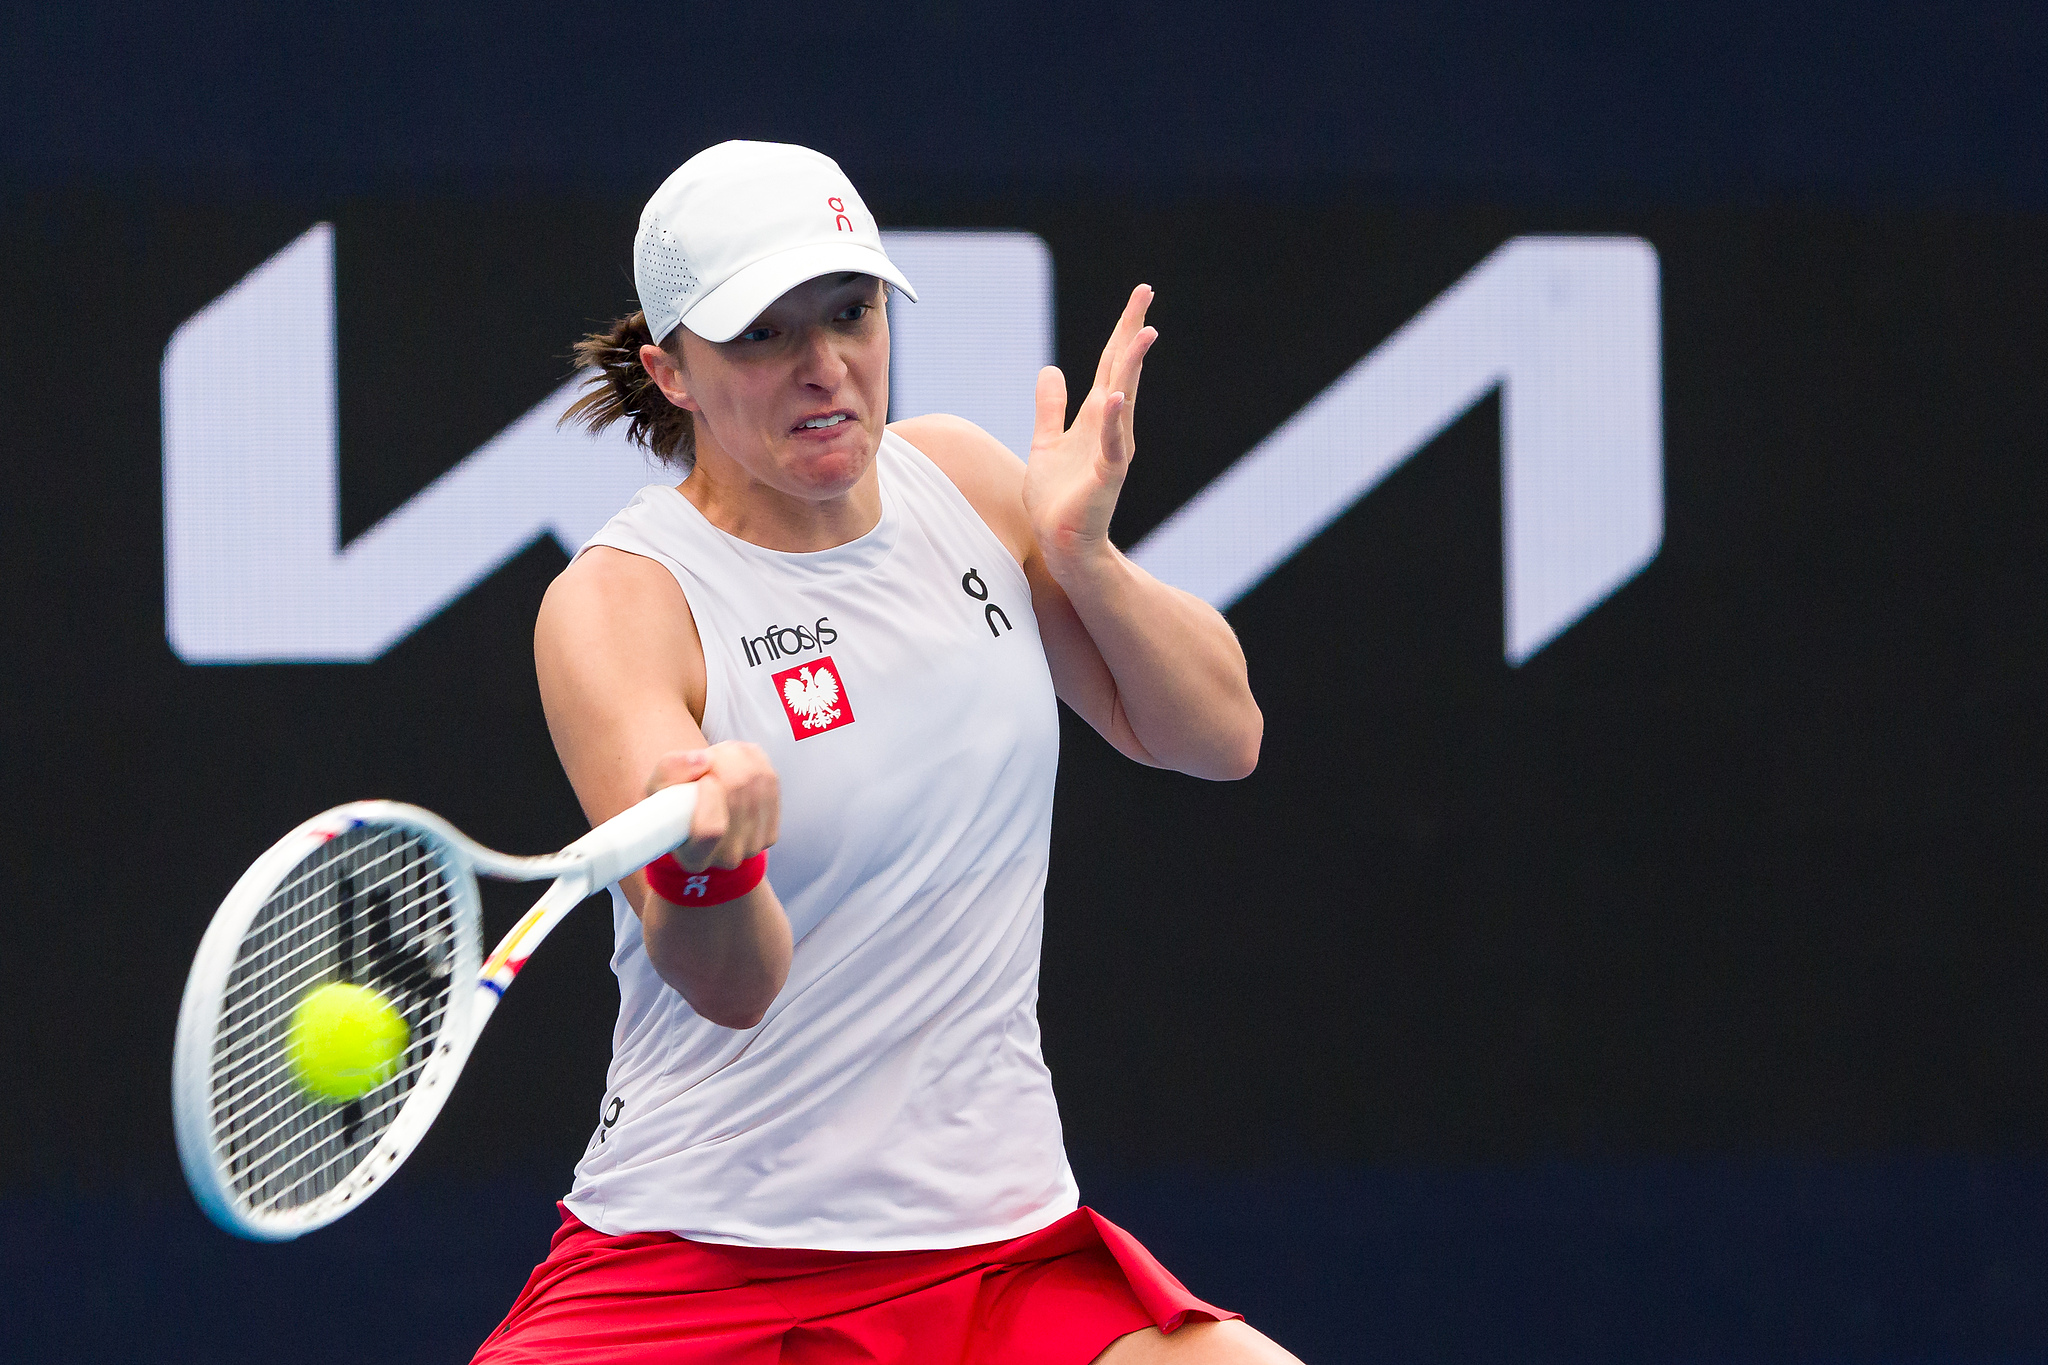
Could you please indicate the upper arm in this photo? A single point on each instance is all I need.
(991, 478)
(621, 674)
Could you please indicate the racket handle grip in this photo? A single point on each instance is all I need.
(637, 835)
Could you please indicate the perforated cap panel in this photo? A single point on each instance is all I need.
(668, 286)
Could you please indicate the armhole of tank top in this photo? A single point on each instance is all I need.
(712, 694)
(966, 506)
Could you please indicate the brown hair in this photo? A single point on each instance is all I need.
(622, 390)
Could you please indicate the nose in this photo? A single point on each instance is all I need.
(819, 365)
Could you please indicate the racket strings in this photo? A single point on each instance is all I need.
(307, 959)
(375, 906)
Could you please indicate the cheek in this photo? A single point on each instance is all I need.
(742, 400)
(869, 371)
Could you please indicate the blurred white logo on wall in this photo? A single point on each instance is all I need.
(254, 570)
(1567, 329)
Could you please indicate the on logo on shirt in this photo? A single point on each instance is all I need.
(813, 697)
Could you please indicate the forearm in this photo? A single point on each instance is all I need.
(729, 961)
(1179, 674)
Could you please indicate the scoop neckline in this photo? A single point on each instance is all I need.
(864, 551)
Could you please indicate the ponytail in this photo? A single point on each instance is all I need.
(623, 390)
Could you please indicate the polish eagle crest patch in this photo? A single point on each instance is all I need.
(813, 697)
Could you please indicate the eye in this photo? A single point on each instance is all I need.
(854, 312)
(756, 334)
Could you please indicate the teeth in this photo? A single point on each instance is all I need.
(834, 420)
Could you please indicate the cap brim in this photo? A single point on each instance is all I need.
(725, 312)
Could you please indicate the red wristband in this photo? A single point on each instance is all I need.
(677, 885)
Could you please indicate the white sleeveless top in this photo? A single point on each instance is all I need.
(895, 1096)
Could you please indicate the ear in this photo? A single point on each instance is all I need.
(667, 375)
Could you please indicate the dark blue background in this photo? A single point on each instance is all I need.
(1888, 102)
(1700, 959)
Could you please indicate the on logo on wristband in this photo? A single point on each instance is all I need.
(677, 885)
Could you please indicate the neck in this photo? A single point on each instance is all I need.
(744, 507)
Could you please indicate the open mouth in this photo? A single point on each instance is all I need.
(823, 422)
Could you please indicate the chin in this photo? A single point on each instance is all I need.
(830, 472)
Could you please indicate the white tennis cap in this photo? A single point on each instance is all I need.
(741, 224)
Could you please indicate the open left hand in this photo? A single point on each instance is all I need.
(1074, 474)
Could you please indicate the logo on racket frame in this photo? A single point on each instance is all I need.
(813, 697)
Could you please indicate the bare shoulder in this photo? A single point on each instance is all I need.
(617, 624)
(985, 471)
(604, 588)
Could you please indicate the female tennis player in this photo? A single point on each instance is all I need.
(828, 1133)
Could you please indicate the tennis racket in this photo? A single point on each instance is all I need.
(381, 895)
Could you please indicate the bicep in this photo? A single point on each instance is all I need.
(620, 666)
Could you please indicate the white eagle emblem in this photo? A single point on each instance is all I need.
(813, 697)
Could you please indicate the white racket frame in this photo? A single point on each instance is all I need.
(621, 845)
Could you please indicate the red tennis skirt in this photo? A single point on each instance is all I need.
(1058, 1296)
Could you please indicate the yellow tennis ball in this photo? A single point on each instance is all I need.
(345, 1041)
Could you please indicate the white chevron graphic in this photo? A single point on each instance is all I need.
(1567, 328)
